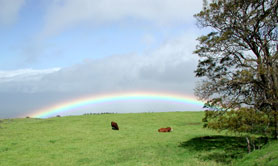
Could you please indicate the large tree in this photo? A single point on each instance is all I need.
(239, 58)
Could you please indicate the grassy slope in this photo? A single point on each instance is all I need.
(267, 156)
(89, 140)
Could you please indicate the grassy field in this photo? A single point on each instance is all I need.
(89, 140)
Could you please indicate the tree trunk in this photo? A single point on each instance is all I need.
(248, 145)
(275, 95)
(275, 125)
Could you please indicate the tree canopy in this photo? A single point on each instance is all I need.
(239, 59)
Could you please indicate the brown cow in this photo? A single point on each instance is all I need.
(168, 129)
(114, 126)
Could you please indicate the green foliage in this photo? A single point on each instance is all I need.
(243, 120)
(247, 122)
(239, 64)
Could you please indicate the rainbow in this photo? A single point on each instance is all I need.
(95, 99)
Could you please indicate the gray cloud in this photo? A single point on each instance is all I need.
(168, 68)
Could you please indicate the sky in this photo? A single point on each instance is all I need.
(54, 51)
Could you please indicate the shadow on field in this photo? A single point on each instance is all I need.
(218, 148)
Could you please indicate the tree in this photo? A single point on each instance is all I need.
(239, 59)
(247, 122)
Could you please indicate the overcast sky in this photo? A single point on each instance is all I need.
(59, 50)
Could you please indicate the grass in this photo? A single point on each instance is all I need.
(89, 140)
(267, 156)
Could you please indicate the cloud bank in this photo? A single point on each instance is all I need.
(169, 68)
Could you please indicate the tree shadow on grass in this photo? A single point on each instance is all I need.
(218, 148)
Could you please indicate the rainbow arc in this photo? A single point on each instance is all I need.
(95, 99)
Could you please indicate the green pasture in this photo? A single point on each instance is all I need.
(89, 140)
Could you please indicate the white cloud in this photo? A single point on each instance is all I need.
(24, 74)
(23, 80)
(9, 10)
(63, 14)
